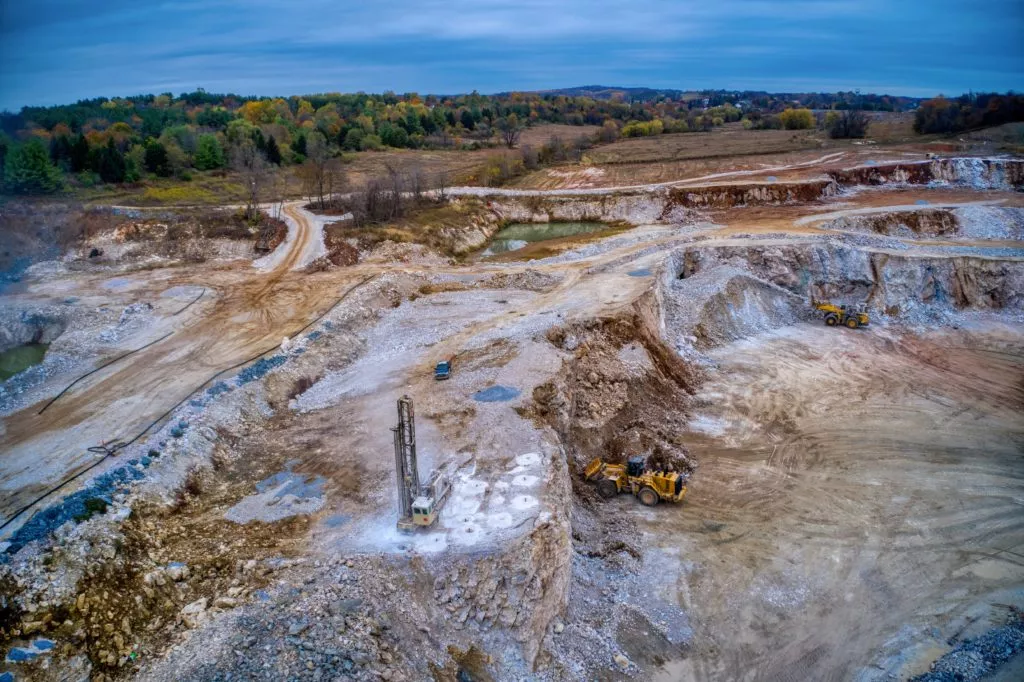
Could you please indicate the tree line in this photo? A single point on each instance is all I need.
(968, 112)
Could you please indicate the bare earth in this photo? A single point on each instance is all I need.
(856, 501)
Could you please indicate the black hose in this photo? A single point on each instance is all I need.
(110, 448)
(106, 364)
(201, 293)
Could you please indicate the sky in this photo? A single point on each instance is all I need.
(59, 51)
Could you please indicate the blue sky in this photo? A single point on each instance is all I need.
(58, 51)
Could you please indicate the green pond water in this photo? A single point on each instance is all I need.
(517, 235)
(20, 358)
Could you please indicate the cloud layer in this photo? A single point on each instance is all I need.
(55, 51)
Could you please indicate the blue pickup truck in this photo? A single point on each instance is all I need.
(443, 370)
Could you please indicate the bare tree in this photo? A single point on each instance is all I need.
(510, 130)
(848, 123)
(442, 184)
(416, 183)
(252, 166)
(322, 169)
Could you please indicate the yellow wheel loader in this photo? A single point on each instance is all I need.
(835, 315)
(650, 487)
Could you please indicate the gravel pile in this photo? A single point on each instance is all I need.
(977, 658)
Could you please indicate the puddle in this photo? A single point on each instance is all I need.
(921, 202)
(20, 358)
(642, 272)
(496, 394)
(284, 494)
(518, 235)
(118, 283)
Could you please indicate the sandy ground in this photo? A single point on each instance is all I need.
(852, 486)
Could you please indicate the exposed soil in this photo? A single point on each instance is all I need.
(853, 494)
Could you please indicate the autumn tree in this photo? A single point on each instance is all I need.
(509, 130)
(254, 174)
(609, 132)
(797, 119)
(27, 169)
(846, 124)
(320, 173)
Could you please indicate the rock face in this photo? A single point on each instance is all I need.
(647, 206)
(887, 281)
(520, 590)
(42, 325)
(752, 194)
(637, 208)
(977, 173)
(967, 222)
(723, 304)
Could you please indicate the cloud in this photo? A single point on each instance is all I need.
(54, 51)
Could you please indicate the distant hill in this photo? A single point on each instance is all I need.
(611, 92)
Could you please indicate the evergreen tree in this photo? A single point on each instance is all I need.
(299, 144)
(466, 118)
(273, 153)
(156, 159)
(209, 154)
(5, 145)
(110, 163)
(27, 170)
(79, 155)
(60, 150)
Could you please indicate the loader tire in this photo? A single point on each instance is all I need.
(852, 323)
(648, 497)
(607, 489)
(831, 320)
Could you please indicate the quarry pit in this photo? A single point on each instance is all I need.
(854, 495)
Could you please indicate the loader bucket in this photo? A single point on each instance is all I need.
(593, 469)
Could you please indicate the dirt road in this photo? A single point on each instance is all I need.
(245, 311)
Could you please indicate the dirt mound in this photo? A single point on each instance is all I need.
(529, 279)
(723, 304)
(606, 402)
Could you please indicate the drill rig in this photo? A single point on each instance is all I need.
(418, 504)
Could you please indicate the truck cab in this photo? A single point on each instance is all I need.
(443, 370)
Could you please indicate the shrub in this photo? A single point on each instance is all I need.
(27, 169)
(847, 124)
(797, 119)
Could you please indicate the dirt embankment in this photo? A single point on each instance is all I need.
(977, 173)
(191, 236)
(966, 222)
(454, 227)
(643, 207)
(752, 194)
(890, 282)
(623, 393)
(32, 231)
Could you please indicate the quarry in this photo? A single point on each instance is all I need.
(197, 478)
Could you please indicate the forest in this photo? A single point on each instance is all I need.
(126, 139)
